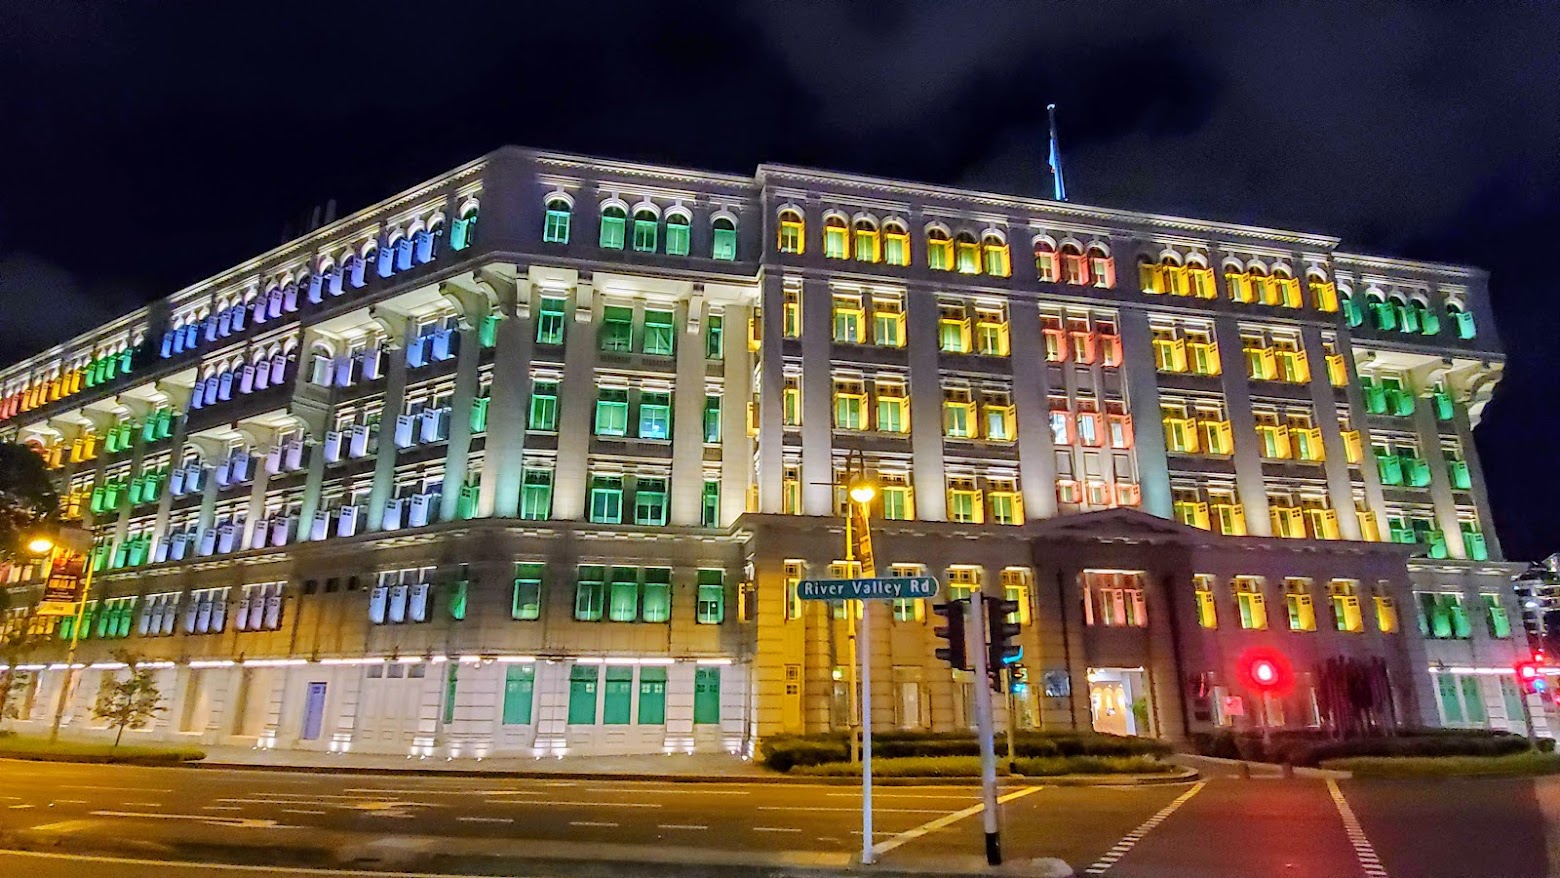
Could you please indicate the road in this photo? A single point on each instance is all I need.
(1221, 827)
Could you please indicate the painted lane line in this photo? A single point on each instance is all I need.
(362, 792)
(774, 829)
(553, 803)
(70, 801)
(877, 795)
(19, 807)
(222, 808)
(81, 786)
(855, 810)
(141, 804)
(300, 811)
(694, 826)
(236, 822)
(593, 823)
(1131, 839)
(892, 842)
(1363, 851)
(658, 792)
(486, 819)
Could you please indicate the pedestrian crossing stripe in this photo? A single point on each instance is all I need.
(1356, 833)
(1127, 842)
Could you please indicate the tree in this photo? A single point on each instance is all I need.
(130, 702)
(26, 496)
(16, 642)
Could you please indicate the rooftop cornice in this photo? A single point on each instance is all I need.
(1045, 206)
(654, 172)
(1387, 263)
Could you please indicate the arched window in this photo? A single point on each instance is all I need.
(1352, 312)
(614, 225)
(966, 253)
(1239, 283)
(939, 249)
(1075, 270)
(464, 230)
(555, 228)
(679, 237)
(835, 238)
(1407, 314)
(1200, 277)
(1045, 261)
(1462, 319)
(1429, 321)
(725, 244)
(994, 252)
(1324, 295)
(646, 227)
(868, 246)
(792, 232)
(1284, 289)
(1102, 267)
(896, 244)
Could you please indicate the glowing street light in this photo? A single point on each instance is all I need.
(40, 545)
(862, 492)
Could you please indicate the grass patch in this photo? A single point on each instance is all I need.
(783, 752)
(1052, 765)
(39, 749)
(969, 766)
(1517, 765)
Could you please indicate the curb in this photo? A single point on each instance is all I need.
(1182, 776)
(1300, 770)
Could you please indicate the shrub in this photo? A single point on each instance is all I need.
(1312, 746)
(1092, 765)
(39, 749)
(783, 752)
(903, 766)
(1518, 765)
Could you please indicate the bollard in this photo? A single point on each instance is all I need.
(1289, 771)
(1245, 770)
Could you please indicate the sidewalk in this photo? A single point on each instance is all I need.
(672, 767)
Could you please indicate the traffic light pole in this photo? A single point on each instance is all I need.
(984, 727)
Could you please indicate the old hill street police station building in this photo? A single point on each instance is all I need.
(529, 459)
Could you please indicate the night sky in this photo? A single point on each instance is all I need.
(149, 145)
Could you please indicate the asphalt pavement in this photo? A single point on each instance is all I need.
(1223, 827)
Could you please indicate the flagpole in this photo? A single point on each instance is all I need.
(1058, 186)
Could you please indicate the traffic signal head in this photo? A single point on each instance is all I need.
(1531, 677)
(1266, 671)
(952, 630)
(1001, 652)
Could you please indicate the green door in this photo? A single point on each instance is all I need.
(519, 685)
(706, 695)
(582, 694)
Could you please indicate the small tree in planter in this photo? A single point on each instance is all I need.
(128, 703)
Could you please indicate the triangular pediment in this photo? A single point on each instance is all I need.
(1108, 523)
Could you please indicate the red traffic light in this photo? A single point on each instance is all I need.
(1266, 671)
(1530, 675)
(1527, 670)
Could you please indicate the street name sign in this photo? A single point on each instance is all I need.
(891, 588)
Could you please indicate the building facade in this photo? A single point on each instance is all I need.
(530, 458)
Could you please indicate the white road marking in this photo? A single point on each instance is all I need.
(663, 792)
(1363, 850)
(551, 803)
(486, 819)
(70, 801)
(881, 795)
(221, 808)
(20, 807)
(889, 844)
(695, 826)
(141, 804)
(82, 786)
(592, 823)
(855, 810)
(300, 811)
(236, 822)
(774, 829)
(1128, 841)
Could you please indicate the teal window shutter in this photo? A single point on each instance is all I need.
(555, 229)
(583, 680)
(677, 237)
(519, 691)
(706, 695)
(657, 597)
(526, 605)
(725, 244)
(618, 700)
(588, 593)
(623, 595)
(652, 695)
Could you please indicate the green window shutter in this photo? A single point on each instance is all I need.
(677, 238)
(1429, 321)
(536, 494)
(645, 233)
(1477, 548)
(706, 695)
(519, 689)
(652, 695)
(618, 701)
(660, 333)
(583, 680)
(710, 514)
(1375, 398)
(449, 693)
(556, 228)
(712, 418)
(612, 228)
(1465, 328)
(479, 414)
(612, 412)
(1451, 705)
(1385, 314)
(1473, 700)
(1351, 310)
(712, 597)
(1461, 629)
(588, 593)
(526, 605)
(655, 415)
(1408, 318)
(544, 406)
(725, 243)
(714, 338)
(623, 603)
(549, 322)
(657, 595)
(617, 329)
(1499, 622)
(1389, 467)
(650, 501)
(606, 499)
(1457, 470)
(1443, 405)
(459, 589)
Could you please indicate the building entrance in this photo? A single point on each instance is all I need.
(1118, 701)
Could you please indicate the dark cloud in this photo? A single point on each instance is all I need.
(154, 144)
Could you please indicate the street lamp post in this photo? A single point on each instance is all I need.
(70, 540)
(860, 493)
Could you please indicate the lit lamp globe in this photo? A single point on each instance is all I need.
(862, 492)
(40, 545)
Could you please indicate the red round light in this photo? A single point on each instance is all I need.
(1264, 672)
(1527, 671)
